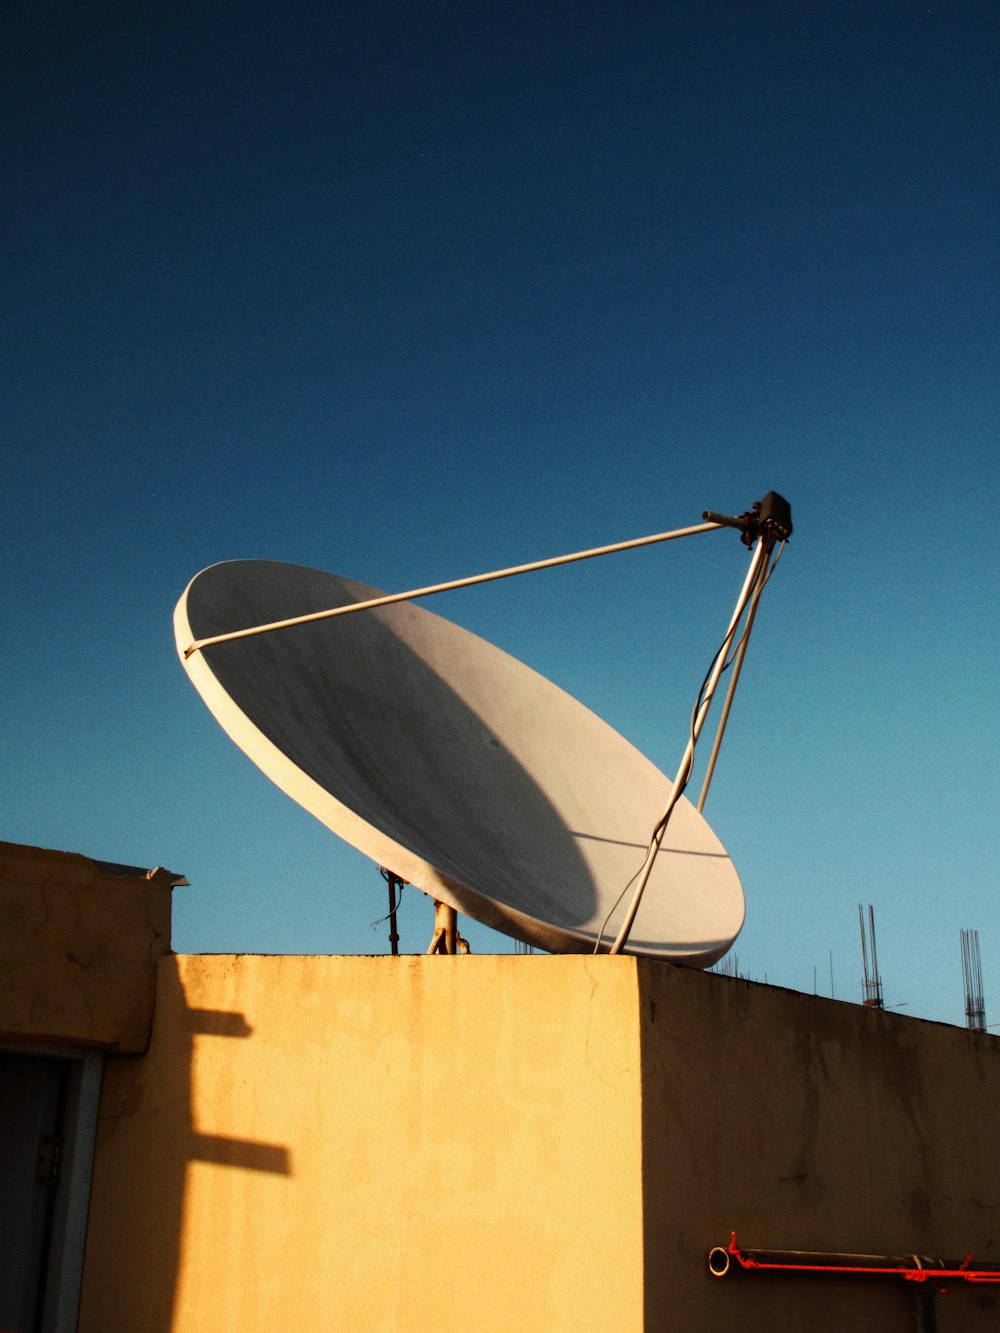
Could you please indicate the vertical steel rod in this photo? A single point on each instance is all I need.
(393, 882)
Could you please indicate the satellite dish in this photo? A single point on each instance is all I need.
(467, 773)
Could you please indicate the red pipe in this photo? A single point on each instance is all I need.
(912, 1268)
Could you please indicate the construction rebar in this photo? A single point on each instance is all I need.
(972, 975)
(873, 982)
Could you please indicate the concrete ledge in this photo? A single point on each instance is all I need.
(79, 942)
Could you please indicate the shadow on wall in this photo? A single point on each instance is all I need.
(146, 1143)
(807, 1124)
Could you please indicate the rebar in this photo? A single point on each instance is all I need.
(972, 975)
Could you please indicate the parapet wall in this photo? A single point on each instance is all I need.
(373, 1143)
(79, 941)
(803, 1123)
(527, 1142)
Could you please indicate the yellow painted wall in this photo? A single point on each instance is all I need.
(373, 1143)
(78, 949)
(488, 1143)
(494, 1143)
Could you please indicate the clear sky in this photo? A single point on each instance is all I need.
(408, 292)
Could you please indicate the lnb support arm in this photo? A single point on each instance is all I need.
(770, 518)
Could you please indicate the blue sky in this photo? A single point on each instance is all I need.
(409, 293)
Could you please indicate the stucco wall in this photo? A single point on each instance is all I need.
(373, 1143)
(528, 1143)
(807, 1124)
(78, 949)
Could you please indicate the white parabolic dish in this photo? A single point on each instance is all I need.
(455, 765)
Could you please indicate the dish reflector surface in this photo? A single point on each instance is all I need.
(455, 765)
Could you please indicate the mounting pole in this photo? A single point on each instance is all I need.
(393, 882)
(446, 938)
